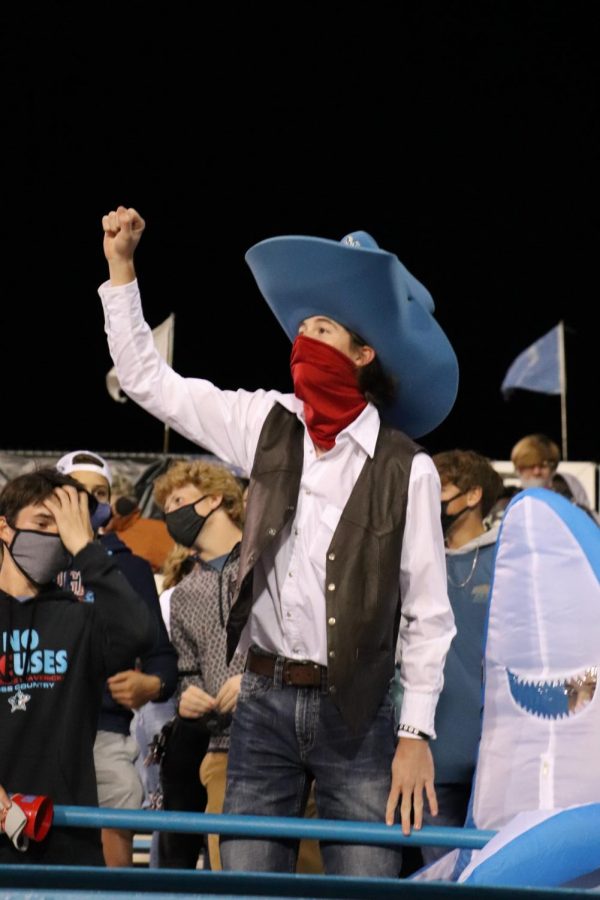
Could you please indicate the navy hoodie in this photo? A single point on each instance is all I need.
(161, 659)
(49, 715)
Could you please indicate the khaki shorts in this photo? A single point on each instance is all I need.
(119, 786)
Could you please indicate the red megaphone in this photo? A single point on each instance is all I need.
(39, 811)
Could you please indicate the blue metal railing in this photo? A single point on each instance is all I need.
(268, 826)
(86, 882)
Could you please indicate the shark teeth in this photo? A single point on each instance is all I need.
(554, 698)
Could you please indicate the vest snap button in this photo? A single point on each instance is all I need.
(332, 689)
(331, 621)
(331, 587)
(271, 532)
(332, 654)
(331, 556)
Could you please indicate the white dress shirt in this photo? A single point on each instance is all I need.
(289, 611)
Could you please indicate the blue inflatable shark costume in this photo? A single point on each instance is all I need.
(537, 779)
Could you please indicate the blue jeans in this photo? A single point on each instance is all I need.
(453, 802)
(146, 723)
(282, 738)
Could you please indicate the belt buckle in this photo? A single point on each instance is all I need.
(299, 666)
(286, 674)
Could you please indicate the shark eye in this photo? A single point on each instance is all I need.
(554, 698)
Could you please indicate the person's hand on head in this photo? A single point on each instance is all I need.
(123, 229)
(72, 516)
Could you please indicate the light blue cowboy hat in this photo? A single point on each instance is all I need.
(370, 292)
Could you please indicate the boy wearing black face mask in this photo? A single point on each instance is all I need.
(470, 487)
(129, 688)
(204, 512)
(55, 653)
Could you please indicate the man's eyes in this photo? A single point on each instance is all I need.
(320, 329)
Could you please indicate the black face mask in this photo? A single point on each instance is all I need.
(447, 519)
(184, 524)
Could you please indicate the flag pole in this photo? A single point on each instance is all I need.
(166, 433)
(563, 388)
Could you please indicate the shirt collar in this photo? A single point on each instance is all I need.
(364, 430)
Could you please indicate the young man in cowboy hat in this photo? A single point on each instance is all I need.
(342, 561)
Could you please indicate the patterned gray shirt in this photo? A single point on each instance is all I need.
(199, 610)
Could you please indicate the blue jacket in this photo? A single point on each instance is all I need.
(458, 713)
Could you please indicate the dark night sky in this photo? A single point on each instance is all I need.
(463, 135)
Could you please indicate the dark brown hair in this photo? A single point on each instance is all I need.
(374, 382)
(467, 470)
(31, 489)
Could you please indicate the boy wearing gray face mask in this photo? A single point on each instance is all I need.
(55, 653)
(536, 459)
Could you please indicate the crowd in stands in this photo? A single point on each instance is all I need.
(306, 640)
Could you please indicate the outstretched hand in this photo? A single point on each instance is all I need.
(123, 229)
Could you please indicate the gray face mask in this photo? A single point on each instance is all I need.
(39, 556)
(533, 481)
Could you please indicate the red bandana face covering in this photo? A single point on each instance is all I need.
(325, 380)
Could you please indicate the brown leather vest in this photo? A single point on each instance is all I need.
(363, 560)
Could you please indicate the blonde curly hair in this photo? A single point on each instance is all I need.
(208, 478)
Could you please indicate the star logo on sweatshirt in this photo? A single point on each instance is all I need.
(18, 703)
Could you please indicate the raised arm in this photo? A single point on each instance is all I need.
(227, 423)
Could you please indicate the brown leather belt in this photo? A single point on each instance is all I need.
(298, 674)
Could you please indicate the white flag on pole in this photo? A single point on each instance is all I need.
(163, 336)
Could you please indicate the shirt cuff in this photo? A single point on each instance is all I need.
(107, 290)
(106, 287)
(418, 710)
